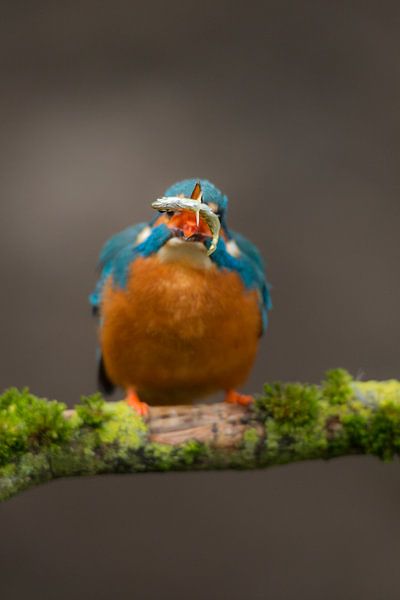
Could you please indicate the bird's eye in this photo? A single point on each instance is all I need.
(170, 213)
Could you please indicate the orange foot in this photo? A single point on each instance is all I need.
(233, 397)
(133, 400)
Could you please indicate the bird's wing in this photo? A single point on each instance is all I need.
(116, 258)
(249, 249)
(108, 256)
(118, 242)
(121, 251)
(251, 268)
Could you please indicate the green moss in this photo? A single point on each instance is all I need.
(191, 453)
(36, 466)
(384, 431)
(337, 388)
(287, 443)
(355, 432)
(159, 457)
(92, 410)
(122, 426)
(7, 471)
(377, 392)
(37, 439)
(251, 445)
(292, 403)
(28, 423)
(9, 483)
(299, 418)
(251, 438)
(378, 433)
(164, 457)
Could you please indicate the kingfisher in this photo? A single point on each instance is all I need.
(182, 302)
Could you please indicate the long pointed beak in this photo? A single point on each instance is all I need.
(190, 223)
(206, 221)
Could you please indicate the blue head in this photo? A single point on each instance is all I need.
(212, 196)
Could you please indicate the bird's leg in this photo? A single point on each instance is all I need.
(134, 401)
(233, 397)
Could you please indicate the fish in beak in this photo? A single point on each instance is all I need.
(192, 218)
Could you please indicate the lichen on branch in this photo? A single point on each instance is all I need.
(41, 440)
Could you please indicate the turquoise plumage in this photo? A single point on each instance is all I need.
(121, 249)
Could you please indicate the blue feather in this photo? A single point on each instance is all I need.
(248, 248)
(110, 249)
(119, 241)
(249, 267)
(120, 251)
(158, 237)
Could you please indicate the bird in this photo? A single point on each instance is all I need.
(181, 302)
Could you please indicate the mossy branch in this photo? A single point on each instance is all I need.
(41, 440)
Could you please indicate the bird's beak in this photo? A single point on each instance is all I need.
(189, 223)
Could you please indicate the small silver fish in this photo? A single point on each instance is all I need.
(174, 203)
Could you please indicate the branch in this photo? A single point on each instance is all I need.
(41, 440)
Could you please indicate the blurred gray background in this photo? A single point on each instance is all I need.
(292, 108)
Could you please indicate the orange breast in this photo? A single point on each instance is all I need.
(178, 332)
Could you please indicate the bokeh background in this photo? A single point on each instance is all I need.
(292, 108)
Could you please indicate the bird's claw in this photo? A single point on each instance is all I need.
(234, 397)
(141, 408)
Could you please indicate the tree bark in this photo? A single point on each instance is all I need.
(219, 425)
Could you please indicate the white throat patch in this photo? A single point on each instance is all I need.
(193, 253)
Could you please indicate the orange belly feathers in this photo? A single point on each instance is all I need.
(178, 332)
